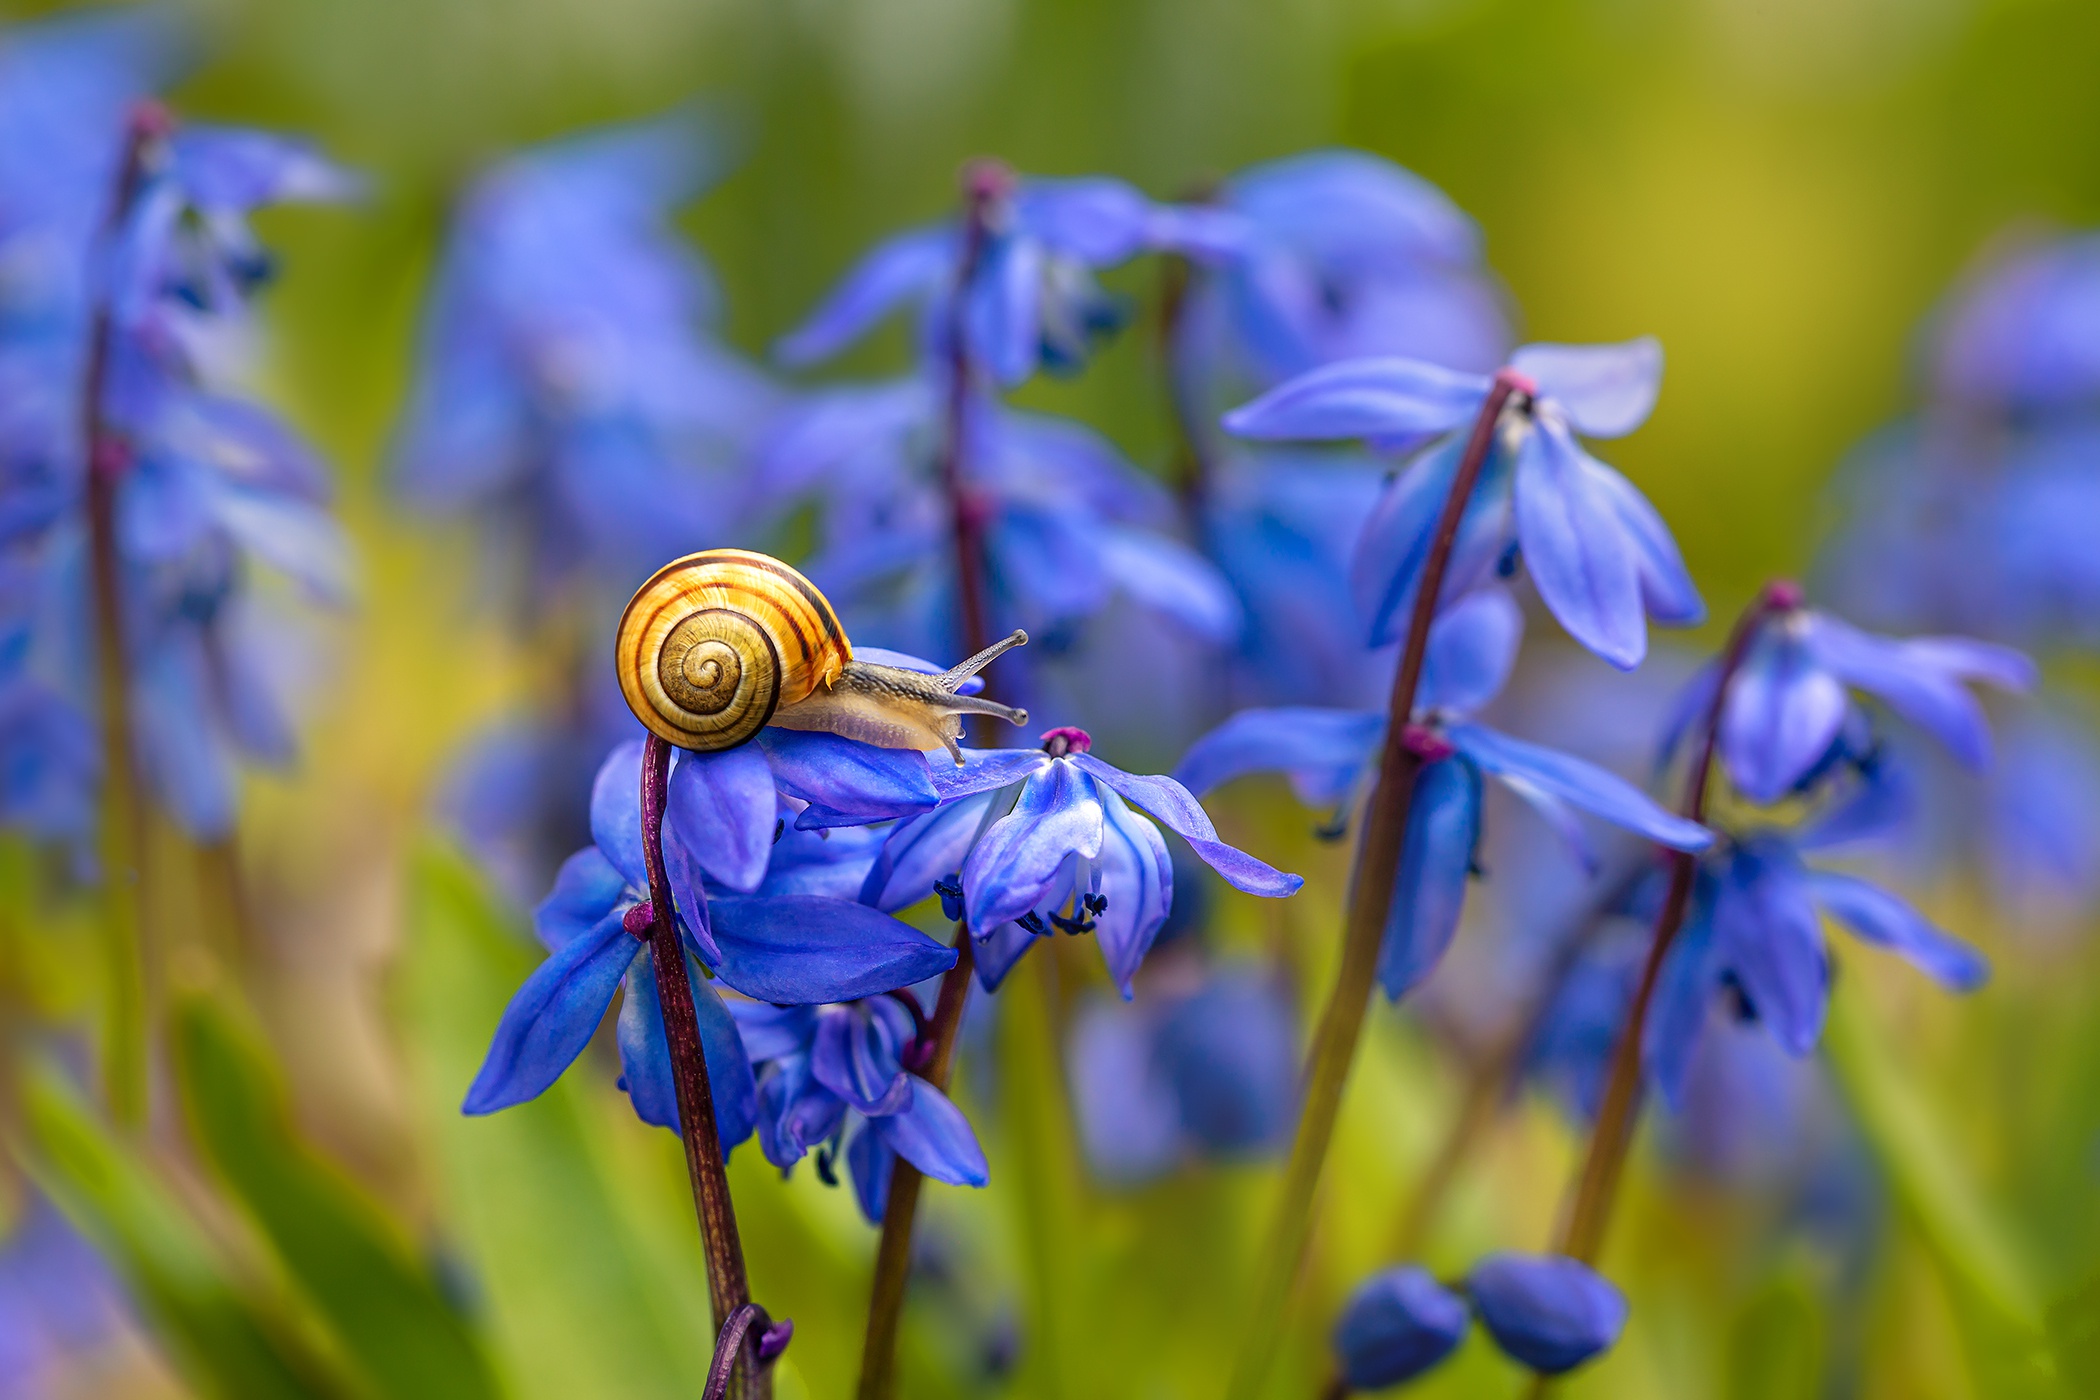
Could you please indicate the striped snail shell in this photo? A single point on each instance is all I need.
(717, 645)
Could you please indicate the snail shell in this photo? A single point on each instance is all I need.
(717, 645)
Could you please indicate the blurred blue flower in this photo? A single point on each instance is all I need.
(1031, 842)
(210, 487)
(1397, 1324)
(1547, 1311)
(1599, 555)
(778, 947)
(1032, 300)
(1068, 522)
(842, 1079)
(572, 398)
(57, 1300)
(1203, 1071)
(2022, 335)
(1328, 755)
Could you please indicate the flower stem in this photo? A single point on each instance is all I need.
(727, 1287)
(985, 184)
(123, 835)
(1371, 895)
(878, 1356)
(1583, 1234)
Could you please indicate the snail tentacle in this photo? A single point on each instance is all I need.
(952, 678)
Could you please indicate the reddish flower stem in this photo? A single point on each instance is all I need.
(1583, 1235)
(1371, 897)
(123, 839)
(985, 184)
(727, 1287)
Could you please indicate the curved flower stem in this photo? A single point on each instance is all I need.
(1583, 1234)
(985, 184)
(1371, 895)
(727, 1287)
(123, 837)
(878, 1356)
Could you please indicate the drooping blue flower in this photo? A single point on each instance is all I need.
(1328, 755)
(571, 395)
(785, 947)
(842, 1080)
(1397, 1324)
(1547, 1311)
(209, 486)
(1030, 842)
(1068, 523)
(1032, 301)
(1601, 558)
(1207, 1071)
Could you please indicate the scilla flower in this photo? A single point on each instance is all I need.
(788, 948)
(1600, 556)
(1030, 843)
(1328, 754)
(842, 1080)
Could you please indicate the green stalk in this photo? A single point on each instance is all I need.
(1371, 897)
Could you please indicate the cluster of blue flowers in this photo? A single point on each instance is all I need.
(125, 337)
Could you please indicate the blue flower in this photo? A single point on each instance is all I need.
(1032, 301)
(1068, 522)
(1755, 928)
(785, 947)
(842, 1079)
(2023, 335)
(1209, 1071)
(1397, 1324)
(570, 391)
(58, 1301)
(1547, 1311)
(1336, 255)
(1328, 753)
(1032, 842)
(1599, 555)
(1788, 705)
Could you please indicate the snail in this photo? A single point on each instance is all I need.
(717, 645)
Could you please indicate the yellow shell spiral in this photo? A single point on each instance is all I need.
(715, 642)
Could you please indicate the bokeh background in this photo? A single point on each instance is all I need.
(1781, 190)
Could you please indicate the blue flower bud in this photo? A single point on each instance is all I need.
(1398, 1324)
(1550, 1312)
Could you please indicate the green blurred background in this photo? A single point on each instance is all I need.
(1779, 189)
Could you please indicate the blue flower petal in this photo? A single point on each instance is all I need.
(1667, 590)
(1230, 1051)
(552, 1017)
(986, 769)
(1767, 932)
(804, 948)
(1584, 784)
(1137, 878)
(1386, 566)
(1125, 1106)
(1008, 871)
(1472, 647)
(855, 1057)
(1879, 917)
(912, 266)
(1921, 680)
(999, 951)
(1170, 802)
(1578, 553)
(932, 1134)
(1606, 390)
(722, 808)
(1684, 989)
(774, 1032)
(645, 1056)
(846, 776)
(586, 889)
(1397, 1324)
(1377, 397)
(1547, 1311)
(616, 812)
(1169, 577)
(1782, 712)
(871, 1161)
(1436, 858)
(1323, 751)
(923, 850)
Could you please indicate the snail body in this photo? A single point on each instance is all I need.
(717, 645)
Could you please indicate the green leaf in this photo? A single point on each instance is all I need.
(592, 1274)
(2074, 1333)
(1775, 1351)
(225, 1340)
(393, 1323)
